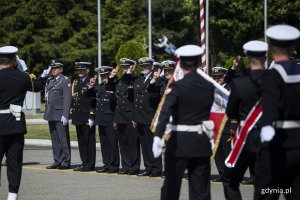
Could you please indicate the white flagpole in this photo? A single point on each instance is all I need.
(99, 38)
(149, 29)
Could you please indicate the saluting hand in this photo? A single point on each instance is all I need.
(115, 125)
(134, 124)
(93, 81)
(156, 74)
(113, 72)
(235, 63)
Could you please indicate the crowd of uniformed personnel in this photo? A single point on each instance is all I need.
(124, 107)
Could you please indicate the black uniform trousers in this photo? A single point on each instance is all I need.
(87, 145)
(277, 169)
(109, 147)
(222, 153)
(152, 165)
(60, 139)
(129, 148)
(12, 146)
(198, 174)
(233, 176)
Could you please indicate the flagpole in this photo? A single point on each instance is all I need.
(266, 25)
(99, 38)
(149, 29)
(202, 34)
(207, 34)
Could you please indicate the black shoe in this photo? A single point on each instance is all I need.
(145, 173)
(249, 181)
(218, 179)
(78, 169)
(102, 170)
(132, 173)
(123, 172)
(53, 166)
(155, 175)
(163, 174)
(87, 169)
(62, 167)
(112, 171)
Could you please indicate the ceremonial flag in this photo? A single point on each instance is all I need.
(218, 108)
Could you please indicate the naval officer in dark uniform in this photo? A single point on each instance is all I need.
(58, 97)
(245, 93)
(189, 102)
(14, 85)
(105, 109)
(168, 67)
(278, 162)
(146, 100)
(83, 113)
(128, 136)
(218, 74)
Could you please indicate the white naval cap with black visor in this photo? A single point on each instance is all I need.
(146, 61)
(282, 35)
(168, 64)
(157, 65)
(82, 65)
(255, 48)
(189, 55)
(104, 70)
(8, 51)
(126, 62)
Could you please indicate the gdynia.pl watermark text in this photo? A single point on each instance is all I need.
(276, 191)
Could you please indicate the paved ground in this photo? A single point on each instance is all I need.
(41, 184)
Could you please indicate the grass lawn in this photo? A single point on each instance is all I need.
(37, 116)
(41, 131)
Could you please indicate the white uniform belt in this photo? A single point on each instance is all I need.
(5, 111)
(187, 128)
(288, 124)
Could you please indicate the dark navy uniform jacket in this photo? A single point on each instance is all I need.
(146, 100)
(245, 93)
(163, 82)
(124, 97)
(13, 88)
(281, 101)
(106, 103)
(83, 102)
(189, 102)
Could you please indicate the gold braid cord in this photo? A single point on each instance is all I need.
(218, 137)
(31, 77)
(160, 105)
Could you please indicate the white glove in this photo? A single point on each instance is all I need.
(129, 71)
(91, 122)
(64, 120)
(267, 133)
(21, 64)
(157, 146)
(46, 72)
